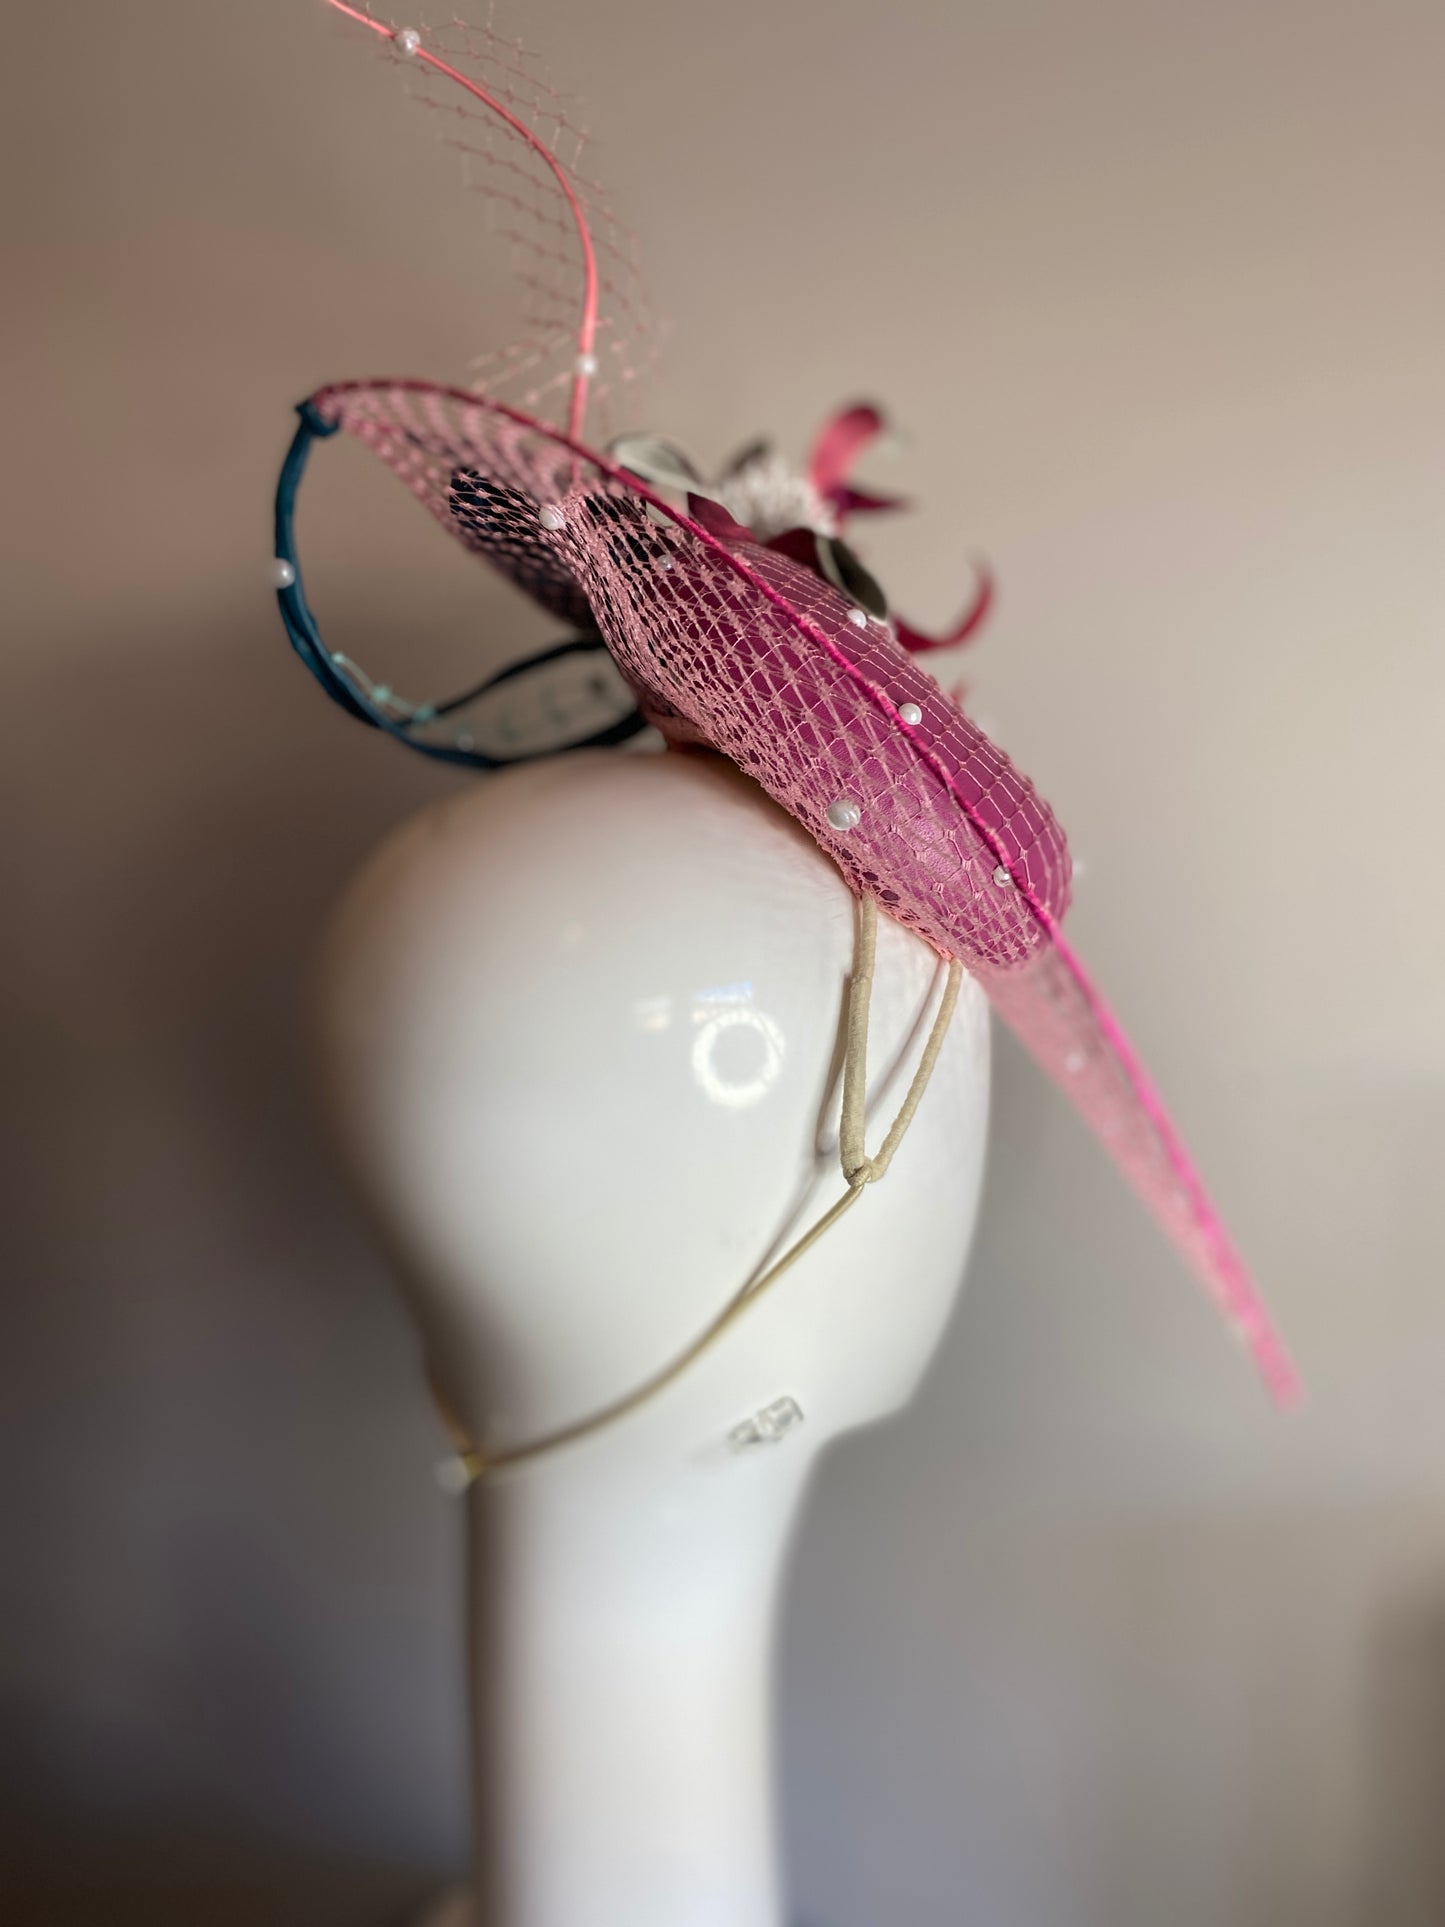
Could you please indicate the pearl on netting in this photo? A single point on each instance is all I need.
(909, 713)
(381, 693)
(283, 573)
(406, 40)
(844, 814)
(858, 618)
(587, 364)
(1002, 877)
(551, 518)
(465, 739)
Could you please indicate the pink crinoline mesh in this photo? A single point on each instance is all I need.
(751, 653)
(512, 173)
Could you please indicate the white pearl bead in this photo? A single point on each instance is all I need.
(845, 814)
(465, 739)
(283, 573)
(587, 364)
(1002, 878)
(551, 518)
(910, 713)
(858, 618)
(406, 40)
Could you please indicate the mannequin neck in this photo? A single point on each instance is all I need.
(621, 1661)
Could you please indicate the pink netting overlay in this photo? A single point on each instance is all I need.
(751, 653)
(518, 193)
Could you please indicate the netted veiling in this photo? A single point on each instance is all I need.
(1058, 1014)
(738, 647)
(518, 193)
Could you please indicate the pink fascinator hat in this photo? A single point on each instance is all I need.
(739, 620)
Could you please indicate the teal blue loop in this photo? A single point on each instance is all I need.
(305, 637)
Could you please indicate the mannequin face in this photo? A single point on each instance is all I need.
(581, 1031)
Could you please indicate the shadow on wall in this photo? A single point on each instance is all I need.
(230, 1579)
(1405, 1759)
(1099, 1669)
(1094, 1721)
(171, 1885)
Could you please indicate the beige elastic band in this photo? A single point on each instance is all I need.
(858, 1170)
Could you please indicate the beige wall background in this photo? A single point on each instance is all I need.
(1090, 1639)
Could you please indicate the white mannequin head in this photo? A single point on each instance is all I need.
(581, 1029)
